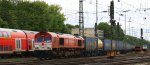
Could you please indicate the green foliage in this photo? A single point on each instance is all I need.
(119, 35)
(37, 15)
(3, 24)
(104, 26)
(76, 26)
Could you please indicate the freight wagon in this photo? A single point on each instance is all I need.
(117, 46)
(93, 46)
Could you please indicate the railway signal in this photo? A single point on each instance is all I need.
(141, 33)
(112, 10)
(113, 22)
(112, 52)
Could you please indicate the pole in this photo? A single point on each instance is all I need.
(129, 28)
(125, 22)
(125, 19)
(96, 18)
(111, 53)
(141, 33)
(81, 18)
(96, 34)
(96, 11)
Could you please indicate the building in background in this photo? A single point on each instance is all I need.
(89, 32)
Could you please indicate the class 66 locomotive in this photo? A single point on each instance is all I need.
(49, 45)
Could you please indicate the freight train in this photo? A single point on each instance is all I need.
(49, 45)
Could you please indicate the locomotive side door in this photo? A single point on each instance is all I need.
(18, 44)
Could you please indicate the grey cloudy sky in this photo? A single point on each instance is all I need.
(138, 14)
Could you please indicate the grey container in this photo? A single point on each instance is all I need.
(107, 45)
(119, 45)
(90, 43)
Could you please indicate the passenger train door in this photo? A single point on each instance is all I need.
(31, 44)
(18, 44)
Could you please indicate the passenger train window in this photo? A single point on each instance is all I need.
(10, 48)
(39, 39)
(32, 43)
(0, 34)
(1, 47)
(61, 41)
(47, 39)
(9, 35)
(18, 44)
(5, 34)
(5, 48)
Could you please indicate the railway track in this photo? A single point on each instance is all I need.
(98, 60)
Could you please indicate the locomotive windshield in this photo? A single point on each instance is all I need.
(39, 39)
(45, 39)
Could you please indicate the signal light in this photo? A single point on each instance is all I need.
(112, 10)
(113, 22)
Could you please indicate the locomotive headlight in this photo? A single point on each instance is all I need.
(48, 48)
(36, 48)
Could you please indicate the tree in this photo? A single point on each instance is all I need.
(106, 27)
(76, 26)
(56, 18)
(3, 24)
(37, 15)
(69, 28)
(117, 31)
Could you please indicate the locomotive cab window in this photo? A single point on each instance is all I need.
(39, 39)
(5, 48)
(61, 41)
(47, 39)
(79, 42)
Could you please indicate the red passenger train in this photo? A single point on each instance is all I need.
(49, 44)
(13, 41)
